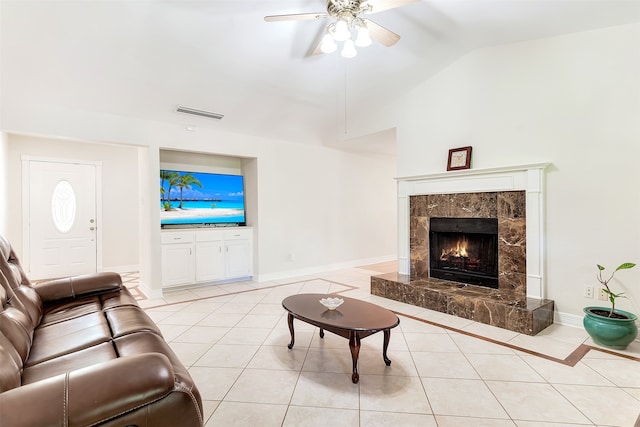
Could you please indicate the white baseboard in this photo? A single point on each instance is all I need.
(567, 319)
(150, 293)
(282, 275)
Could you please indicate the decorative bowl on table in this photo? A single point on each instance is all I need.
(331, 303)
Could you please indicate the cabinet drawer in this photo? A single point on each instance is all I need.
(177, 237)
(237, 234)
(209, 235)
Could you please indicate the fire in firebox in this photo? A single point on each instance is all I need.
(460, 250)
(458, 257)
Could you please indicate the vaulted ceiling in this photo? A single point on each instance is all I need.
(142, 58)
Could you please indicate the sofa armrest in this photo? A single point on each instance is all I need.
(90, 395)
(72, 287)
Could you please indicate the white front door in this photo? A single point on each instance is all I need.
(62, 219)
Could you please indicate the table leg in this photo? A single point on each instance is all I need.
(385, 345)
(354, 346)
(290, 322)
(321, 333)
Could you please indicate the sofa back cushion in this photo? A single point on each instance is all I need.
(20, 293)
(11, 372)
(20, 313)
(15, 342)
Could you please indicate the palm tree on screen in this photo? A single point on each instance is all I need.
(186, 181)
(172, 179)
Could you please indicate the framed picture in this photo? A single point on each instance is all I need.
(459, 158)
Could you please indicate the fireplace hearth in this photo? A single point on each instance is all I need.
(464, 250)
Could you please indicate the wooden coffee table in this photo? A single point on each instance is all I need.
(353, 320)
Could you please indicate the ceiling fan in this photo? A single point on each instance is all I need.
(347, 17)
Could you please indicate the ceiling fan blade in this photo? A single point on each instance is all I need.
(316, 50)
(381, 34)
(380, 5)
(295, 17)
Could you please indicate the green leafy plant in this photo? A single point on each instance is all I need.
(605, 282)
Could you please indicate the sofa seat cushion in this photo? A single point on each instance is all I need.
(70, 310)
(129, 319)
(98, 394)
(54, 340)
(69, 362)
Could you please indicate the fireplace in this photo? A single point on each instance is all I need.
(464, 250)
(512, 197)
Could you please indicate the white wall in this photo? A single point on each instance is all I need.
(199, 162)
(573, 101)
(251, 189)
(4, 183)
(328, 207)
(119, 192)
(324, 207)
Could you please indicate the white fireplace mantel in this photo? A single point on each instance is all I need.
(528, 178)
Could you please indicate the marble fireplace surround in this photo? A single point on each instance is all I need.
(513, 195)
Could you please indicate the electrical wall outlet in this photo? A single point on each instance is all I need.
(602, 296)
(588, 292)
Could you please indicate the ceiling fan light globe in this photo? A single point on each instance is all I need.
(328, 45)
(349, 49)
(341, 31)
(363, 39)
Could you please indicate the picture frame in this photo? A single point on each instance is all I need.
(459, 158)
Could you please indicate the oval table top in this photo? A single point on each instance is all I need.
(353, 314)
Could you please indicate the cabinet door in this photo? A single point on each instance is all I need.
(209, 261)
(178, 264)
(238, 258)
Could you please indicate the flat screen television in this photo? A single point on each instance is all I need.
(197, 199)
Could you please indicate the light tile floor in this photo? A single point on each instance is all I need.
(445, 371)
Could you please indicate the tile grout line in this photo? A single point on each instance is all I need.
(250, 290)
(571, 360)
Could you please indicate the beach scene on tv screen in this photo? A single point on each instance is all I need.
(201, 198)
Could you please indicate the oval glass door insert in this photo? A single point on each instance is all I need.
(63, 206)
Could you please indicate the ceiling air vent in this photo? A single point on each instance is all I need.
(202, 113)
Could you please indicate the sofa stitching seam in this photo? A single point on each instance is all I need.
(65, 399)
(193, 398)
(142, 405)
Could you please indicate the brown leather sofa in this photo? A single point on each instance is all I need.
(80, 351)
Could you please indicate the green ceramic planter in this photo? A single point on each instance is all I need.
(609, 332)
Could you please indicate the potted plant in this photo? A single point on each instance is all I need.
(611, 327)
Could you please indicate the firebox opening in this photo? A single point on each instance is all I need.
(464, 250)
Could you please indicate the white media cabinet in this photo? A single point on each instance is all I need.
(192, 256)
